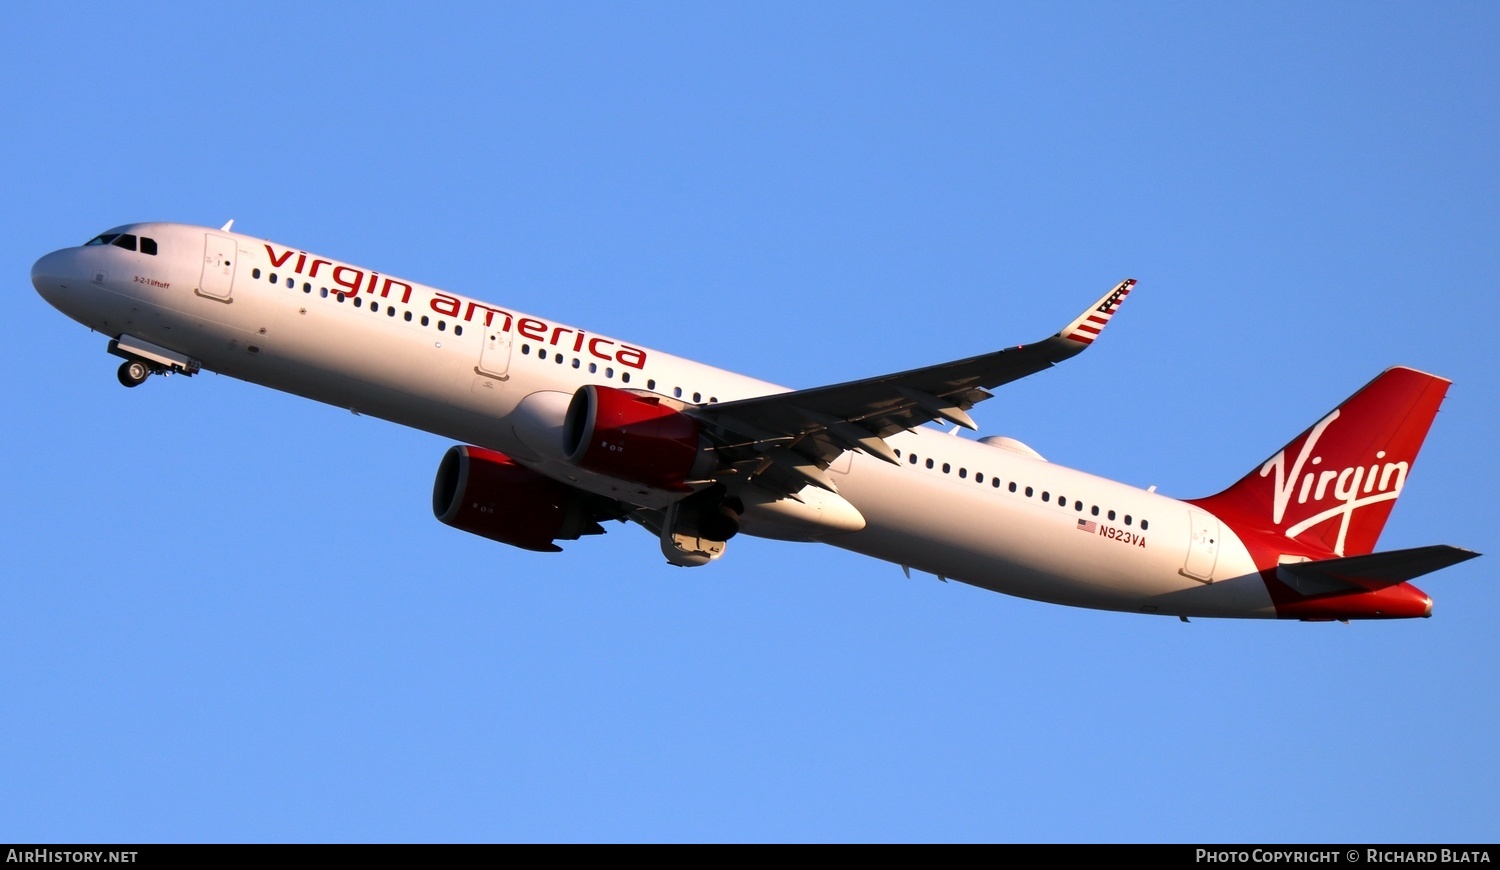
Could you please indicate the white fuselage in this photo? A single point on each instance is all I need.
(426, 358)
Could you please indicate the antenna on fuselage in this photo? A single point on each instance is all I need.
(225, 228)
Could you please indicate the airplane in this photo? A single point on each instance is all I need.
(561, 429)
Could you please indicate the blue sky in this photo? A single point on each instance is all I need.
(229, 615)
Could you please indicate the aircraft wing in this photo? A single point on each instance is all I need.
(786, 440)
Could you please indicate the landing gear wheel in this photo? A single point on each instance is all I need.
(133, 373)
(719, 522)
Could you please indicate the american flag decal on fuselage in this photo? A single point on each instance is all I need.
(1087, 328)
(1088, 526)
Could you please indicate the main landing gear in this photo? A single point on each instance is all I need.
(133, 373)
(694, 530)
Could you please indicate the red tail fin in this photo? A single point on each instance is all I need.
(1333, 486)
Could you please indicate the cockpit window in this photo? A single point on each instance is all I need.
(123, 240)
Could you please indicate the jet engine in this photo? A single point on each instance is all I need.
(635, 438)
(486, 493)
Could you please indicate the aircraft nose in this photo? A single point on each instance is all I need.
(49, 275)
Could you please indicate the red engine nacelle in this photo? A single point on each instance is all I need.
(487, 493)
(635, 438)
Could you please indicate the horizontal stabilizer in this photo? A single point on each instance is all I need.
(1374, 570)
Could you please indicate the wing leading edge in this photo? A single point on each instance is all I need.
(784, 441)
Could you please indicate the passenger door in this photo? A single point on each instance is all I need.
(494, 355)
(219, 256)
(1203, 546)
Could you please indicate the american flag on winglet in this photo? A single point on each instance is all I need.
(1088, 526)
(1087, 328)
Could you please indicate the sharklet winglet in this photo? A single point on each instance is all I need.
(1090, 323)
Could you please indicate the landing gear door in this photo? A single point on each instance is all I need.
(1203, 546)
(494, 356)
(219, 256)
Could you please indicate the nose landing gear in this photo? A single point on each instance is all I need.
(143, 359)
(133, 373)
